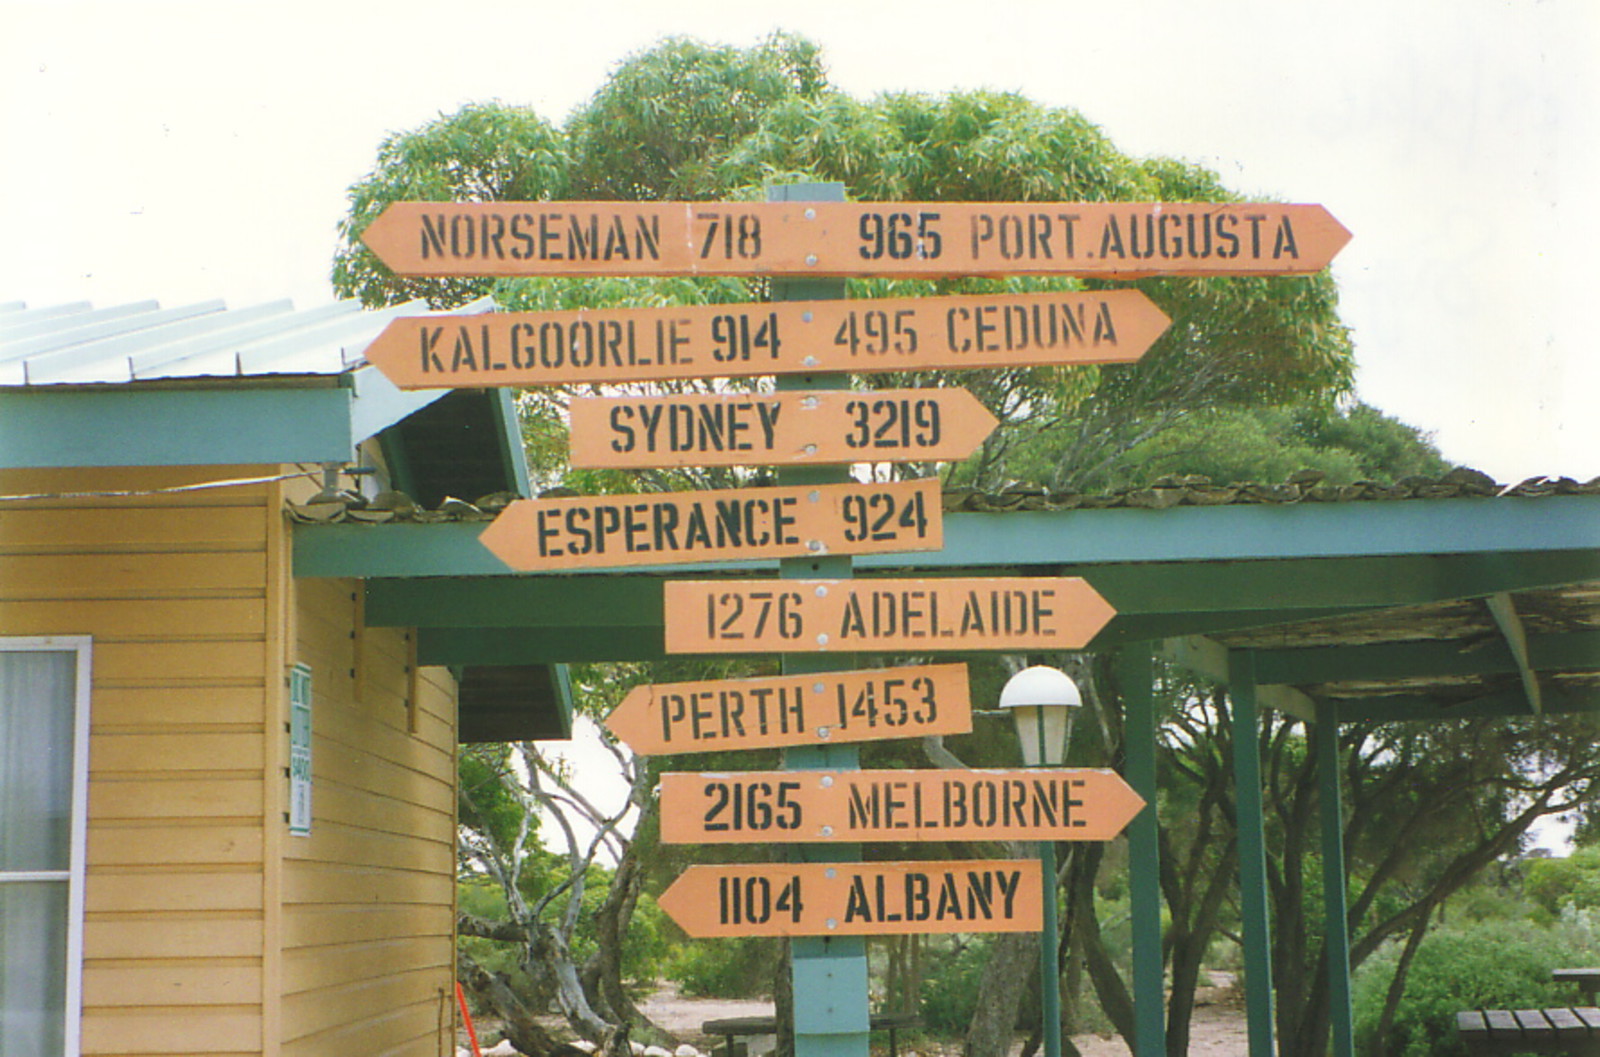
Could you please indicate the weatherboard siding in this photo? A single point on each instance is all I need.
(368, 899)
(208, 928)
(172, 590)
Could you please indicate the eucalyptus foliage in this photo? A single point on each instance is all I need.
(686, 120)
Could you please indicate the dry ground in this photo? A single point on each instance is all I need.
(1218, 1029)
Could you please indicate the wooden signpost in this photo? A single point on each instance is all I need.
(1108, 239)
(788, 807)
(1000, 613)
(821, 799)
(778, 429)
(663, 527)
(857, 899)
(605, 345)
(821, 709)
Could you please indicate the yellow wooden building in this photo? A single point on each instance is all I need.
(227, 807)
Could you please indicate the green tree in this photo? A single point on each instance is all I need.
(688, 120)
(573, 925)
(1573, 881)
(484, 152)
(1430, 807)
(1270, 444)
(1383, 448)
(660, 126)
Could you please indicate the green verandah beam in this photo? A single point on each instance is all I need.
(1253, 904)
(1430, 657)
(1388, 709)
(1135, 675)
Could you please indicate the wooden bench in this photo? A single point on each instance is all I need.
(733, 1028)
(1588, 981)
(1504, 1031)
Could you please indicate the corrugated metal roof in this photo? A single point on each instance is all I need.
(78, 344)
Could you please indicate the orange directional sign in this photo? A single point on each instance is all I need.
(858, 899)
(725, 714)
(787, 807)
(800, 616)
(1114, 239)
(660, 528)
(601, 345)
(788, 428)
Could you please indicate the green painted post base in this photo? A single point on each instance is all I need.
(830, 996)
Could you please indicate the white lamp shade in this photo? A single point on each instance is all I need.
(1040, 699)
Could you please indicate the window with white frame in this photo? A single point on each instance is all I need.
(44, 759)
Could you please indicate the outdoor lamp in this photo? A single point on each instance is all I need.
(1041, 699)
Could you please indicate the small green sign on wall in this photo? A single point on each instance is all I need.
(300, 750)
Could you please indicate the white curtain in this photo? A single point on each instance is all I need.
(37, 704)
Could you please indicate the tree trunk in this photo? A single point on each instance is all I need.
(1190, 940)
(541, 987)
(1397, 986)
(608, 995)
(550, 948)
(1072, 977)
(516, 1016)
(1292, 784)
(1109, 987)
(903, 978)
(783, 1000)
(1000, 994)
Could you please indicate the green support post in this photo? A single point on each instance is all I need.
(1335, 929)
(829, 975)
(1135, 674)
(1253, 904)
(1050, 951)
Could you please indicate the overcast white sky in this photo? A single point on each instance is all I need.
(183, 151)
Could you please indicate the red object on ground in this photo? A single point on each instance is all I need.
(466, 1018)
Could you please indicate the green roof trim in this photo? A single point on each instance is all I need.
(174, 427)
(233, 424)
(1424, 528)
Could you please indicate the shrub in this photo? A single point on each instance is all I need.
(1572, 881)
(742, 967)
(1481, 965)
(950, 989)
